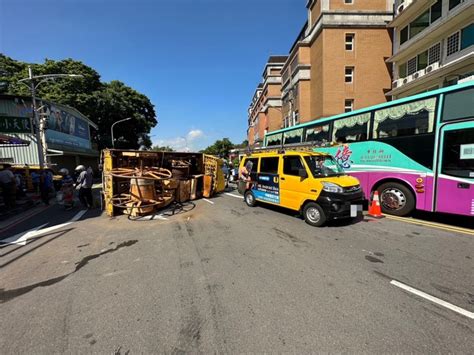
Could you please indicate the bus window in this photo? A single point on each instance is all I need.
(406, 119)
(294, 136)
(458, 153)
(459, 104)
(274, 139)
(269, 165)
(318, 134)
(351, 129)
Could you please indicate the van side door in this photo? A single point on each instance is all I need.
(267, 186)
(294, 189)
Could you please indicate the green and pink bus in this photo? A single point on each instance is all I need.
(417, 152)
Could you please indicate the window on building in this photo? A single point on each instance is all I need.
(292, 165)
(454, 3)
(350, 41)
(411, 66)
(348, 105)
(349, 74)
(296, 118)
(404, 35)
(351, 129)
(452, 44)
(422, 60)
(435, 11)
(319, 134)
(348, 2)
(413, 118)
(467, 36)
(402, 70)
(269, 165)
(434, 54)
(421, 22)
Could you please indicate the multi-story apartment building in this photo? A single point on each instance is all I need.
(265, 113)
(433, 44)
(337, 63)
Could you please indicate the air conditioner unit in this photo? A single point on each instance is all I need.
(407, 79)
(397, 83)
(431, 67)
(466, 79)
(400, 8)
(418, 74)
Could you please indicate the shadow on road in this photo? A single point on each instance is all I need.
(29, 246)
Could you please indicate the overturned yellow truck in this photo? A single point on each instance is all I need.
(139, 183)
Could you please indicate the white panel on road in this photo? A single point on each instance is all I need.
(434, 299)
(237, 196)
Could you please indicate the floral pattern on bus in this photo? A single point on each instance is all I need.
(343, 156)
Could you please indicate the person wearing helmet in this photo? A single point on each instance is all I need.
(84, 181)
(67, 188)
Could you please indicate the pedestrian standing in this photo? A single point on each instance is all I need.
(67, 189)
(8, 185)
(35, 179)
(46, 183)
(84, 181)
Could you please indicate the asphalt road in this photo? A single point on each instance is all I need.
(223, 277)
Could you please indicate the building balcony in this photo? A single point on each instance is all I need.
(405, 9)
(433, 71)
(457, 18)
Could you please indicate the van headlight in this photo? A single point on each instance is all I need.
(331, 187)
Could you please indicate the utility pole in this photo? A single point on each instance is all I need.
(36, 121)
(39, 122)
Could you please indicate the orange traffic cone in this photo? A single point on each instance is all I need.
(374, 209)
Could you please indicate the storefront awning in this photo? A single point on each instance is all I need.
(7, 141)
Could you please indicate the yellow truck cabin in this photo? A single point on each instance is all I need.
(309, 182)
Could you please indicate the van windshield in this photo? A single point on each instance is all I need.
(324, 166)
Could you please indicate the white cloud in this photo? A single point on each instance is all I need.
(195, 134)
(192, 141)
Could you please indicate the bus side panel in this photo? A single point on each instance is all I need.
(371, 162)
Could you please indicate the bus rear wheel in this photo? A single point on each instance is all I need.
(396, 199)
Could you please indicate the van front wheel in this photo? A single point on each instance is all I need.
(314, 215)
(250, 199)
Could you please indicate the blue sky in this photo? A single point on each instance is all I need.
(199, 61)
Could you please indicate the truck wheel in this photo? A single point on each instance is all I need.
(396, 199)
(250, 199)
(314, 215)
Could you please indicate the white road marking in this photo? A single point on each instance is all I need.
(78, 216)
(237, 196)
(208, 201)
(152, 217)
(20, 238)
(434, 299)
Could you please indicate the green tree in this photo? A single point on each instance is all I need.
(102, 103)
(220, 148)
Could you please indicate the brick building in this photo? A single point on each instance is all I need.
(338, 61)
(433, 45)
(264, 114)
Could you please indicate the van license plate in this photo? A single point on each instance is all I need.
(355, 209)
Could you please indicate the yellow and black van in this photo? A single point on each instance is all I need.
(309, 182)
